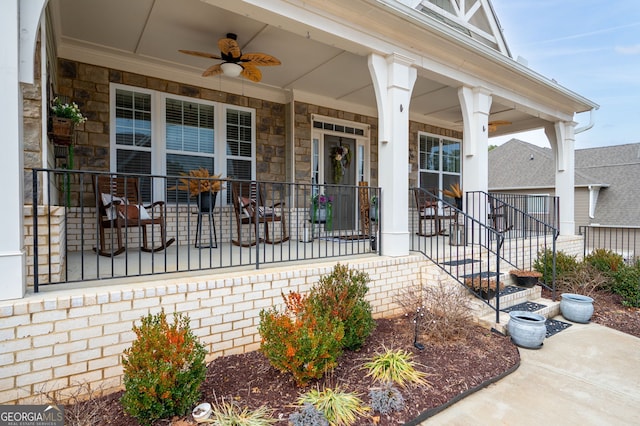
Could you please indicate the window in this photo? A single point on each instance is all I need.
(162, 134)
(133, 136)
(538, 204)
(189, 132)
(239, 143)
(439, 162)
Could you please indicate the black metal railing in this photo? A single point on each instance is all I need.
(461, 245)
(478, 240)
(265, 222)
(528, 232)
(623, 240)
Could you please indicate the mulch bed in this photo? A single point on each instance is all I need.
(453, 369)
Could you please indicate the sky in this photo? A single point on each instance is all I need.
(591, 47)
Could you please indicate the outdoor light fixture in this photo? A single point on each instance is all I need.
(230, 69)
(419, 316)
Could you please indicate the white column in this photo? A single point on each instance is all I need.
(561, 136)
(476, 105)
(393, 79)
(12, 257)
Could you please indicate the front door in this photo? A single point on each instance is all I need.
(340, 167)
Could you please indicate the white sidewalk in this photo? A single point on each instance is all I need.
(585, 375)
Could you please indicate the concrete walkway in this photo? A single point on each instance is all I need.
(585, 375)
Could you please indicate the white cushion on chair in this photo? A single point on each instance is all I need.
(112, 211)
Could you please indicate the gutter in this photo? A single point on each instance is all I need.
(592, 121)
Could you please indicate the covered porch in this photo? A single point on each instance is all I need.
(344, 81)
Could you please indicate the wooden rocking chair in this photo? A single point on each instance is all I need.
(429, 209)
(120, 207)
(250, 209)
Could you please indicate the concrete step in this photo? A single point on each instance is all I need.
(550, 310)
(512, 295)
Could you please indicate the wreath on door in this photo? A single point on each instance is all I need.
(340, 160)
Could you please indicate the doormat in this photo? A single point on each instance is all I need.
(353, 237)
(555, 326)
(511, 289)
(459, 262)
(526, 306)
(485, 274)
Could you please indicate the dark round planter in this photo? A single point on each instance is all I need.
(527, 282)
(527, 329)
(487, 294)
(207, 201)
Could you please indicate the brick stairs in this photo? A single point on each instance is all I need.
(513, 297)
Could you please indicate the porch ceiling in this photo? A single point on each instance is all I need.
(153, 30)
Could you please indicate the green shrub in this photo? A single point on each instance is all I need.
(627, 284)
(342, 294)
(163, 369)
(605, 261)
(301, 340)
(544, 264)
(339, 408)
(394, 367)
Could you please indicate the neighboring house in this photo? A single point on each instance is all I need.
(395, 80)
(607, 179)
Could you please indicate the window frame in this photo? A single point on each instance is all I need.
(439, 171)
(158, 147)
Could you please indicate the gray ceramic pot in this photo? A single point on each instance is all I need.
(527, 329)
(576, 307)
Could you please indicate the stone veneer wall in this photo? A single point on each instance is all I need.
(88, 86)
(59, 340)
(302, 138)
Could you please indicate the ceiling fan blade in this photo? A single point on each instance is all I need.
(251, 72)
(212, 70)
(229, 47)
(493, 125)
(260, 59)
(201, 54)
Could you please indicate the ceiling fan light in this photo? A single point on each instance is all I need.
(230, 69)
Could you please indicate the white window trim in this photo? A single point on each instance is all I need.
(439, 172)
(158, 133)
(360, 141)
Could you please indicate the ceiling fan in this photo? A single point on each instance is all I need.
(493, 125)
(235, 62)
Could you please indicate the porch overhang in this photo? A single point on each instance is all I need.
(323, 46)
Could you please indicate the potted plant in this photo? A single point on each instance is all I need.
(578, 287)
(456, 193)
(373, 208)
(322, 209)
(64, 117)
(525, 278)
(484, 287)
(201, 185)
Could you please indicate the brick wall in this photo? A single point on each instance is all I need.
(62, 339)
(51, 238)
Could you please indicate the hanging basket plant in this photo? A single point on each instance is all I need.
(64, 117)
(340, 161)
